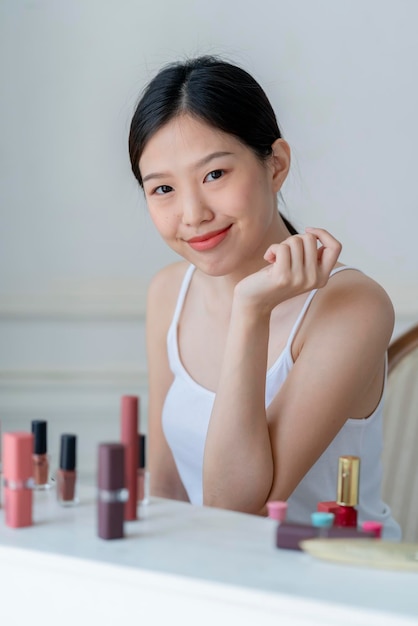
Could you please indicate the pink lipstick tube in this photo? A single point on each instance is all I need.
(129, 437)
(18, 478)
(112, 494)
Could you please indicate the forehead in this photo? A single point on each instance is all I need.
(189, 138)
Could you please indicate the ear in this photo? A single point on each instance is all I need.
(280, 162)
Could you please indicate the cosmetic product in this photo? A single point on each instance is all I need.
(40, 457)
(277, 510)
(373, 527)
(289, 535)
(18, 478)
(66, 474)
(347, 491)
(129, 437)
(345, 513)
(323, 521)
(142, 473)
(112, 494)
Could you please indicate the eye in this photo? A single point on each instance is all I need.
(214, 175)
(162, 189)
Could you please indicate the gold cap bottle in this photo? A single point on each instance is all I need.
(348, 480)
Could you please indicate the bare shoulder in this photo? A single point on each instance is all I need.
(163, 290)
(355, 302)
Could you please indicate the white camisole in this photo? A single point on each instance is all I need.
(188, 407)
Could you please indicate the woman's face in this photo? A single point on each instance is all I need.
(211, 199)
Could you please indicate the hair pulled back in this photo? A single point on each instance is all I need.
(221, 94)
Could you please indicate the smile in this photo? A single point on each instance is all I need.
(209, 240)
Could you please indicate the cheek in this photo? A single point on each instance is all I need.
(164, 221)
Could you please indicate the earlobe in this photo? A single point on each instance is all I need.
(281, 162)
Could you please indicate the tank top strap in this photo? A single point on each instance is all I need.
(307, 303)
(182, 294)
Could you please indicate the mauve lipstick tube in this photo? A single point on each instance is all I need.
(289, 535)
(18, 478)
(129, 421)
(112, 494)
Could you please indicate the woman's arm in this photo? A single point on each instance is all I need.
(250, 456)
(164, 477)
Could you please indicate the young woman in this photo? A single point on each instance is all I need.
(266, 356)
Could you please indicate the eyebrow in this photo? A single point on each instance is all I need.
(200, 163)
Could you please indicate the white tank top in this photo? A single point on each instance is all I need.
(188, 407)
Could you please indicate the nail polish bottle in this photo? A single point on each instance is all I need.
(66, 474)
(18, 478)
(40, 457)
(129, 437)
(143, 474)
(347, 491)
(112, 494)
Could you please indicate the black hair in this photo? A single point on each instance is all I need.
(215, 91)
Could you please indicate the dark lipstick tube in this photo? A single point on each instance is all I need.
(289, 535)
(129, 437)
(112, 494)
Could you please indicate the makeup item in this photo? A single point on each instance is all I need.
(323, 521)
(66, 474)
(347, 491)
(18, 478)
(289, 535)
(277, 510)
(112, 494)
(373, 527)
(142, 473)
(40, 457)
(129, 437)
(345, 513)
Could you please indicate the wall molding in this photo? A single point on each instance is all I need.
(127, 302)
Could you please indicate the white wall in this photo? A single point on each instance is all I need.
(77, 247)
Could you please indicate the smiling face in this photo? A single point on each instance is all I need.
(211, 199)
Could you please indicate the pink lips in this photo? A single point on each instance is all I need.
(208, 241)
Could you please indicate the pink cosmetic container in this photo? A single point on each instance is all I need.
(18, 478)
(129, 437)
(277, 510)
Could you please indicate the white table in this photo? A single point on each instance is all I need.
(184, 565)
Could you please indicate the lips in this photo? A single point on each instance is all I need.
(208, 240)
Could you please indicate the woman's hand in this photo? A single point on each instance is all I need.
(297, 265)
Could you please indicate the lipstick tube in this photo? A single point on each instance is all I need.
(112, 495)
(289, 535)
(40, 457)
(66, 474)
(129, 437)
(18, 478)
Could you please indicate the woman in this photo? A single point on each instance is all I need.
(266, 355)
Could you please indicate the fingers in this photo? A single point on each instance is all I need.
(300, 256)
(330, 249)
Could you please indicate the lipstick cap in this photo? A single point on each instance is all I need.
(142, 460)
(68, 452)
(348, 480)
(17, 456)
(111, 470)
(129, 418)
(39, 430)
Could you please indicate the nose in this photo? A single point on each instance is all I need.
(195, 209)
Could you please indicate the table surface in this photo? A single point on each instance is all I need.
(212, 546)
